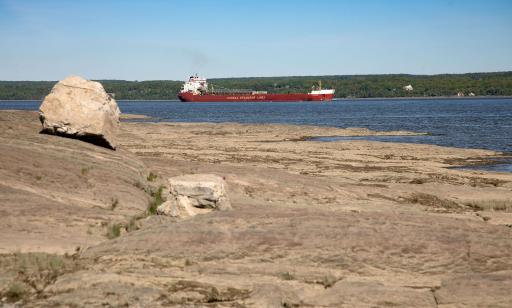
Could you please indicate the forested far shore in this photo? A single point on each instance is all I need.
(346, 86)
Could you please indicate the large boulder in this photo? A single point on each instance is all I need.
(80, 108)
(194, 194)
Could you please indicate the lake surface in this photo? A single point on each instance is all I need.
(465, 123)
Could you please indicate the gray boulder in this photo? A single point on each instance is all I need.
(79, 108)
(194, 194)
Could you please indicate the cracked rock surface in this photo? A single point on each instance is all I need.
(341, 224)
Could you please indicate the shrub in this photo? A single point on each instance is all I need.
(16, 291)
(113, 230)
(37, 271)
(152, 176)
(156, 201)
(157, 198)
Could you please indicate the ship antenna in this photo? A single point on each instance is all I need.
(320, 84)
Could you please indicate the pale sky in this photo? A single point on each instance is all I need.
(149, 40)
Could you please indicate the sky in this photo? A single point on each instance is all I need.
(155, 40)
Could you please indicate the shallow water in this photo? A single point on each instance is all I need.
(465, 123)
(495, 168)
(429, 139)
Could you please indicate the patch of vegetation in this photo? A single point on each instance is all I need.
(483, 182)
(287, 276)
(39, 178)
(113, 230)
(35, 272)
(85, 171)
(133, 224)
(16, 291)
(114, 203)
(328, 281)
(491, 205)
(202, 293)
(432, 201)
(152, 176)
(156, 201)
(157, 198)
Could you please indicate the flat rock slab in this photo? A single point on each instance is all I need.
(194, 194)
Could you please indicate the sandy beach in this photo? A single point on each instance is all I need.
(314, 224)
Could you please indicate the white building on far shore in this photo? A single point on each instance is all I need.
(408, 88)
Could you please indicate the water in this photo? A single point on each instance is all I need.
(465, 123)
(410, 139)
(499, 167)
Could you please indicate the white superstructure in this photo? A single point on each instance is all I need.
(322, 91)
(195, 85)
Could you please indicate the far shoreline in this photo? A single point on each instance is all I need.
(418, 98)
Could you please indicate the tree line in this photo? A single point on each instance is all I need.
(346, 86)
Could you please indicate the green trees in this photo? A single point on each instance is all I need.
(346, 86)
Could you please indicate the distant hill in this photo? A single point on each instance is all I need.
(347, 86)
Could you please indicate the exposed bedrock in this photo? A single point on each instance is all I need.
(195, 194)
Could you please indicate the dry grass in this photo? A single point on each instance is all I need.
(432, 201)
(16, 291)
(491, 205)
(152, 177)
(158, 199)
(486, 182)
(35, 272)
(193, 293)
(113, 230)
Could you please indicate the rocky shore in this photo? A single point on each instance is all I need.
(314, 224)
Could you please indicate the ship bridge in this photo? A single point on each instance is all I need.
(195, 85)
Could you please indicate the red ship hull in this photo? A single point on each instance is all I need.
(247, 97)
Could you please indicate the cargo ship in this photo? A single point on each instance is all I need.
(196, 90)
